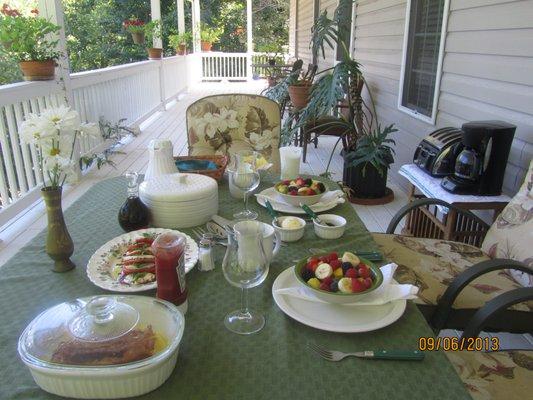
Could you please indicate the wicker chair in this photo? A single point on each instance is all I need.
(487, 262)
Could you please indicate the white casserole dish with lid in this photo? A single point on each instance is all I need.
(103, 347)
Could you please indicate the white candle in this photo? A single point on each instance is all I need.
(290, 161)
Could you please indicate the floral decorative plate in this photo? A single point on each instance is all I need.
(100, 264)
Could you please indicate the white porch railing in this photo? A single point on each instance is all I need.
(133, 91)
(218, 65)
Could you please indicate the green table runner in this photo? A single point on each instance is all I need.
(214, 363)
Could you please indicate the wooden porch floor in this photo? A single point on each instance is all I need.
(171, 124)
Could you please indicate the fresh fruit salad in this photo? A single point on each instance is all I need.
(347, 274)
(301, 187)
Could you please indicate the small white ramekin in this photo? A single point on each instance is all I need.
(290, 235)
(330, 232)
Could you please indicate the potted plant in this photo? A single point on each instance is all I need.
(54, 133)
(208, 36)
(152, 31)
(135, 27)
(299, 93)
(367, 164)
(179, 42)
(25, 38)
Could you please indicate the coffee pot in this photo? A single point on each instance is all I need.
(160, 160)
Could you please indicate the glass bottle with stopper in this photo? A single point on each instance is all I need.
(133, 214)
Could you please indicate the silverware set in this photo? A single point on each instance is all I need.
(400, 355)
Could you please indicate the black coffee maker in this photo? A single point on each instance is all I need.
(480, 166)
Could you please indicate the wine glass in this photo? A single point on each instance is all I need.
(245, 266)
(245, 176)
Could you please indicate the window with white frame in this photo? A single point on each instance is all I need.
(422, 58)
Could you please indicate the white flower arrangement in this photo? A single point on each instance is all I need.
(54, 132)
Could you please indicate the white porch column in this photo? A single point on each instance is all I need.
(52, 10)
(196, 25)
(249, 37)
(181, 15)
(155, 9)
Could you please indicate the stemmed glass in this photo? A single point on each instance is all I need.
(245, 176)
(245, 266)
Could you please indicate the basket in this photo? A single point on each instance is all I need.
(217, 174)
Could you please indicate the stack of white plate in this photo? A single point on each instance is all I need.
(180, 200)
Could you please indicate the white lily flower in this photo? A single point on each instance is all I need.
(35, 129)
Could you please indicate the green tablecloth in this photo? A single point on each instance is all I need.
(214, 363)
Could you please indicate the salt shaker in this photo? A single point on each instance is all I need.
(205, 255)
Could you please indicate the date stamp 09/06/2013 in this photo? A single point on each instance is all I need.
(454, 344)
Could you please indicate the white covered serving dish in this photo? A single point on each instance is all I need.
(103, 347)
(180, 200)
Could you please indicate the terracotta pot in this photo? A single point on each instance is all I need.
(299, 95)
(181, 50)
(38, 70)
(59, 245)
(138, 37)
(155, 54)
(206, 46)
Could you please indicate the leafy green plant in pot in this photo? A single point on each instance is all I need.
(25, 38)
(135, 27)
(179, 42)
(152, 31)
(208, 36)
(366, 166)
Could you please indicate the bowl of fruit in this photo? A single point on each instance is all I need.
(338, 280)
(300, 190)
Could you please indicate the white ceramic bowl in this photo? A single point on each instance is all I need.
(290, 235)
(110, 381)
(330, 232)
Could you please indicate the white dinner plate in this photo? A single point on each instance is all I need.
(101, 262)
(280, 206)
(334, 317)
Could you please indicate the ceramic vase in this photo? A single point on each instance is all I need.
(59, 245)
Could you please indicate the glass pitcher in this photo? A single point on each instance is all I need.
(245, 266)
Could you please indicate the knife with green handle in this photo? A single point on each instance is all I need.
(272, 213)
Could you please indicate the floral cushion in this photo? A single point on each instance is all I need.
(224, 124)
(511, 235)
(432, 264)
(499, 375)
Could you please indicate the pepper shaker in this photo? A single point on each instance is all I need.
(205, 255)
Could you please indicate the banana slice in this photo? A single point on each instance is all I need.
(351, 258)
(345, 285)
(323, 271)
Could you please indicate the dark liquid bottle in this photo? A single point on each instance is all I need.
(133, 214)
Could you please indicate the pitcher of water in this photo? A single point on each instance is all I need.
(245, 265)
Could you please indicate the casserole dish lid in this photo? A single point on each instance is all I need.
(102, 331)
(178, 187)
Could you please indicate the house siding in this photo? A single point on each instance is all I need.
(487, 72)
(305, 14)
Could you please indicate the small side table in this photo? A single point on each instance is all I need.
(445, 221)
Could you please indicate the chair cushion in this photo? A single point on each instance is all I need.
(511, 235)
(432, 264)
(497, 375)
(224, 124)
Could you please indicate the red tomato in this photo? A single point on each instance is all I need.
(336, 263)
(351, 273)
(357, 286)
(311, 265)
(333, 256)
